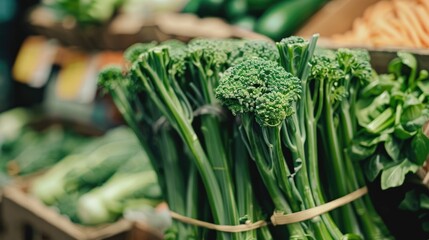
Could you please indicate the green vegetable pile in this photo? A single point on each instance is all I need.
(99, 180)
(86, 12)
(24, 149)
(239, 129)
(273, 18)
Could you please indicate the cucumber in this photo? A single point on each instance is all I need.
(283, 19)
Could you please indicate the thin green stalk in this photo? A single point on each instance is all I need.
(281, 170)
(246, 202)
(175, 185)
(373, 226)
(313, 166)
(193, 194)
(254, 145)
(217, 155)
(302, 177)
(348, 218)
(176, 115)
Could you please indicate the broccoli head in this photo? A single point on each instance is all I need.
(260, 87)
(254, 48)
(109, 77)
(355, 62)
(205, 52)
(133, 52)
(293, 51)
(178, 53)
(326, 67)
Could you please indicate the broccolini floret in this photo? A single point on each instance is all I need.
(259, 87)
(133, 52)
(356, 63)
(254, 48)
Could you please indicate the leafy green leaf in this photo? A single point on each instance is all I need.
(424, 86)
(374, 166)
(381, 122)
(394, 176)
(419, 151)
(371, 140)
(403, 134)
(395, 67)
(423, 75)
(368, 109)
(351, 236)
(408, 59)
(358, 152)
(418, 122)
(425, 226)
(424, 201)
(410, 201)
(393, 148)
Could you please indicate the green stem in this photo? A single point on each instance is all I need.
(281, 169)
(333, 154)
(185, 130)
(303, 182)
(373, 226)
(193, 196)
(217, 155)
(214, 145)
(174, 182)
(245, 197)
(313, 167)
(255, 144)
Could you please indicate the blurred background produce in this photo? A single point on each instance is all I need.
(396, 23)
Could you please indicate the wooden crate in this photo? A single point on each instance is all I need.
(24, 218)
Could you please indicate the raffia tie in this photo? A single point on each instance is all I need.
(278, 218)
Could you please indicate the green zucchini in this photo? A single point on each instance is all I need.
(284, 18)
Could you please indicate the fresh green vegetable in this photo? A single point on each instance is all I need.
(391, 112)
(134, 180)
(261, 92)
(76, 169)
(85, 12)
(284, 18)
(282, 102)
(343, 73)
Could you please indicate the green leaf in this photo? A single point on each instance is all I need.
(419, 151)
(412, 112)
(423, 75)
(425, 226)
(424, 86)
(408, 59)
(351, 236)
(403, 134)
(369, 109)
(410, 201)
(371, 140)
(358, 152)
(374, 166)
(393, 148)
(424, 201)
(394, 176)
(381, 122)
(395, 67)
(418, 122)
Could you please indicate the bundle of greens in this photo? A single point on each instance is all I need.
(94, 184)
(390, 113)
(223, 120)
(84, 12)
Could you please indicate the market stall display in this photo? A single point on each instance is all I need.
(285, 102)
